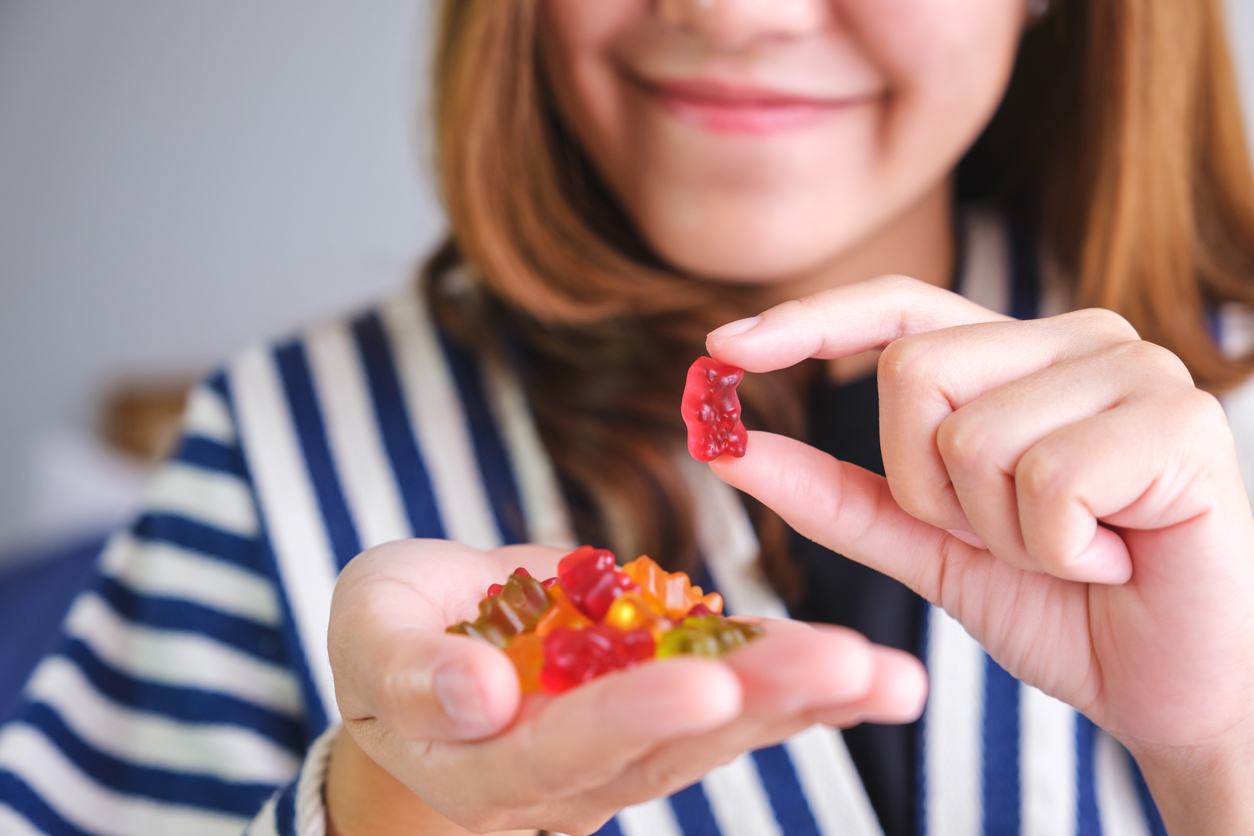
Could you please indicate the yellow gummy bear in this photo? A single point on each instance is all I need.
(630, 611)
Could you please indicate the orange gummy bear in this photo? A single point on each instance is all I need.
(670, 593)
(526, 651)
(562, 613)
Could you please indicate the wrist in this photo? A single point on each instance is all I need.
(1205, 788)
(364, 798)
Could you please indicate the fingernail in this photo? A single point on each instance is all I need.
(968, 538)
(457, 689)
(736, 328)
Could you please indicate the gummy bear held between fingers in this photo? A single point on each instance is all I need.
(711, 410)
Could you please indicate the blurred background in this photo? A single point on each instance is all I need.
(177, 180)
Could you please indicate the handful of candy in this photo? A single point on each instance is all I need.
(594, 618)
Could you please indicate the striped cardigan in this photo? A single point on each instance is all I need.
(191, 692)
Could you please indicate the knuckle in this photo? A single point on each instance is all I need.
(920, 498)
(1149, 357)
(1205, 407)
(900, 283)
(806, 304)
(1202, 415)
(908, 363)
(964, 441)
(1041, 477)
(1106, 321)
(661, 776)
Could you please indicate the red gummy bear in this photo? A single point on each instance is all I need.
(575, 656)
(592, 581)
(711, 409)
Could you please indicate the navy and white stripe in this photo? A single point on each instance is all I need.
(170, 705)
(192, 690)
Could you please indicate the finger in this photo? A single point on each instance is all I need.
(897, 694)
(1020, 617)
(788, 676)
(390, 655)
(924, 378)
(847, 509)
(584, 738)
(1127, 466)
(428, 686)
(842, 321)
(798, 666)
(982, 443)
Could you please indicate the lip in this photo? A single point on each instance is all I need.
(740, 108)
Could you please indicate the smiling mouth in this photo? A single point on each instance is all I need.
(726, 108)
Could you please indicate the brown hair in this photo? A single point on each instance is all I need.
(1119, 143)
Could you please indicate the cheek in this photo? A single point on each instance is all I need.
(948, 62)
(577, 39)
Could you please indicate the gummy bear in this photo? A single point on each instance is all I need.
(514, 610)
(592, 581)
(631, 611)
(575, 656)
(671, 593)
(562, 614)
(700, 610)
(526, 651)
(708, 635)
(711, 409)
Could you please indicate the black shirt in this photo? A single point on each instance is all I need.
(844, 421)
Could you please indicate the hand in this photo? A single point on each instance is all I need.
(443, 715)
(1058, 486)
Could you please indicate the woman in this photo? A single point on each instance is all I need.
(622, 178)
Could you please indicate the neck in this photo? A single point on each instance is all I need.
(918, 243)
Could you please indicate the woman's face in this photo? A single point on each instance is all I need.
(755, 140)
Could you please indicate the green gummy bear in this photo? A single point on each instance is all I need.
(706, 635)
(515, 609)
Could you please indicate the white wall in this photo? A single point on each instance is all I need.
(179, 178)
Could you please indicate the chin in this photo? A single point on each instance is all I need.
(748, 248)
(741, 259)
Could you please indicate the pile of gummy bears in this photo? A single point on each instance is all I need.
(594, 618)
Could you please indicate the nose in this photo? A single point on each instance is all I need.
(734, 23)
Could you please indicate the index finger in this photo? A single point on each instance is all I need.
(841, 322)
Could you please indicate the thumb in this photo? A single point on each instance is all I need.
(416, 680)
(847, 509)
(434, 687)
